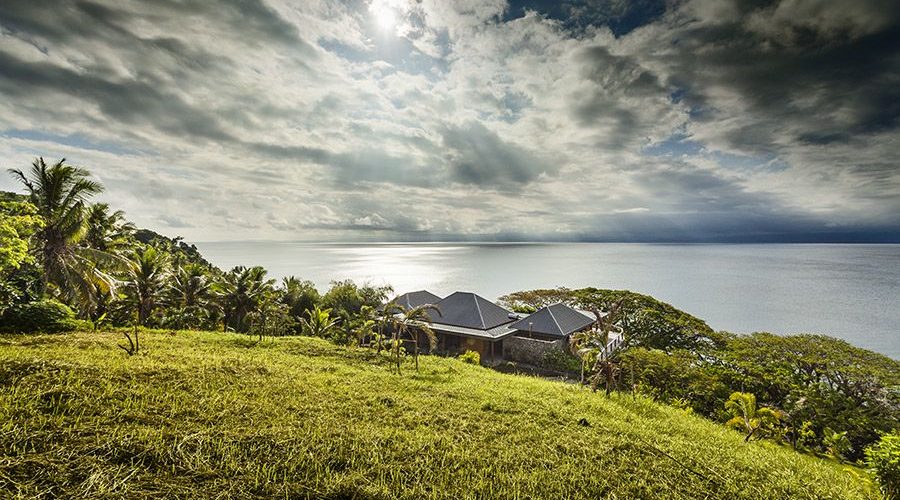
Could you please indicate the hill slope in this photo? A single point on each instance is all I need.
(207, 414)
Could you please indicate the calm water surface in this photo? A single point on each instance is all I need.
(848, 291)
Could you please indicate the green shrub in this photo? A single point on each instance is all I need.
(44, 315)
(559, 360)
(471, 357)
(883, 461)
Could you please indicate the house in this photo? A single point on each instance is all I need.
(465, 321)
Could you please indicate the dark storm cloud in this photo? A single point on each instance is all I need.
(160, 67)
(129, 102)
(61, 21)
(816, 81)
(729, 227)
(619, 81)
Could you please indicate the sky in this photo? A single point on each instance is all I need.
(420, 120)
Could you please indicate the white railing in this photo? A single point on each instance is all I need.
(614, 342)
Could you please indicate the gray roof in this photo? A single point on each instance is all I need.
(416, 299)
(492, 334)
(558, 319)
(468, 310)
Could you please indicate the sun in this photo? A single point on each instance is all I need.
(385, 13)
(384, 17)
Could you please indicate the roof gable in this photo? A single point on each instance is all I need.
(415, 299)
(469, 310)
(557, 319)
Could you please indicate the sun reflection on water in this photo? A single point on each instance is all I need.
(406, 268)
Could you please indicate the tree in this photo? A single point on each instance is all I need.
(318, 322)
(747, 417)
(386, 322)
(365, 323)
(144, 286)
(107, 231)
(190, 297)
(60, 193)
(18, 221)
(240, 292)
(146, 281)
(529, 301)
(270, 319)
(191, 286)
(648, 322)
(883, 461)
(345, 298)
(593, 347)
(410, 324)
(675, 376)
(299, 296)
(815, 378)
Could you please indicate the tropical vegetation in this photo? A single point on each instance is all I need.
(811, 392)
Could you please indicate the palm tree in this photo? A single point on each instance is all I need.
(191, 286)
(146, 280)
(144, 286)
(271, 318)
(387, 321)
(365, 323)
(413, 322)
(240, 291)
(746, 416)
(108, 232)
(594, 350)
(190, 296)
(60, 193)
(318, 322)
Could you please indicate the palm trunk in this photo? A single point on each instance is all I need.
(380, 334)
(416, 355)
(396, 339)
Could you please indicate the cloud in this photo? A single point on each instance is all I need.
(480, 157)
(650, 120)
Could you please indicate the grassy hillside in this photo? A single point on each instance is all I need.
(207, 414)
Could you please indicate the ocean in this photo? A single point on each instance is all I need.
(846, 291)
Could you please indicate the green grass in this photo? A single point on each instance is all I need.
(217, 415)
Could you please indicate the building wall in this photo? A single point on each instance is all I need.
(481, 346)
(531, 351)
(453, 345)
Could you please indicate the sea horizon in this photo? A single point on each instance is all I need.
(532, 242)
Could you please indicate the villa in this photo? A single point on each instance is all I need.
(469, 322)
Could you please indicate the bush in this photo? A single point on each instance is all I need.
(883, 461)
(559, 360)
(44, 315)
(471, 357)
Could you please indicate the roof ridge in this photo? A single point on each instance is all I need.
(553, 316)
(477, 306)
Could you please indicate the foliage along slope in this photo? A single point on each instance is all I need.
(211, 414)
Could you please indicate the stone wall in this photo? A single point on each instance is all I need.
(531, 351)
